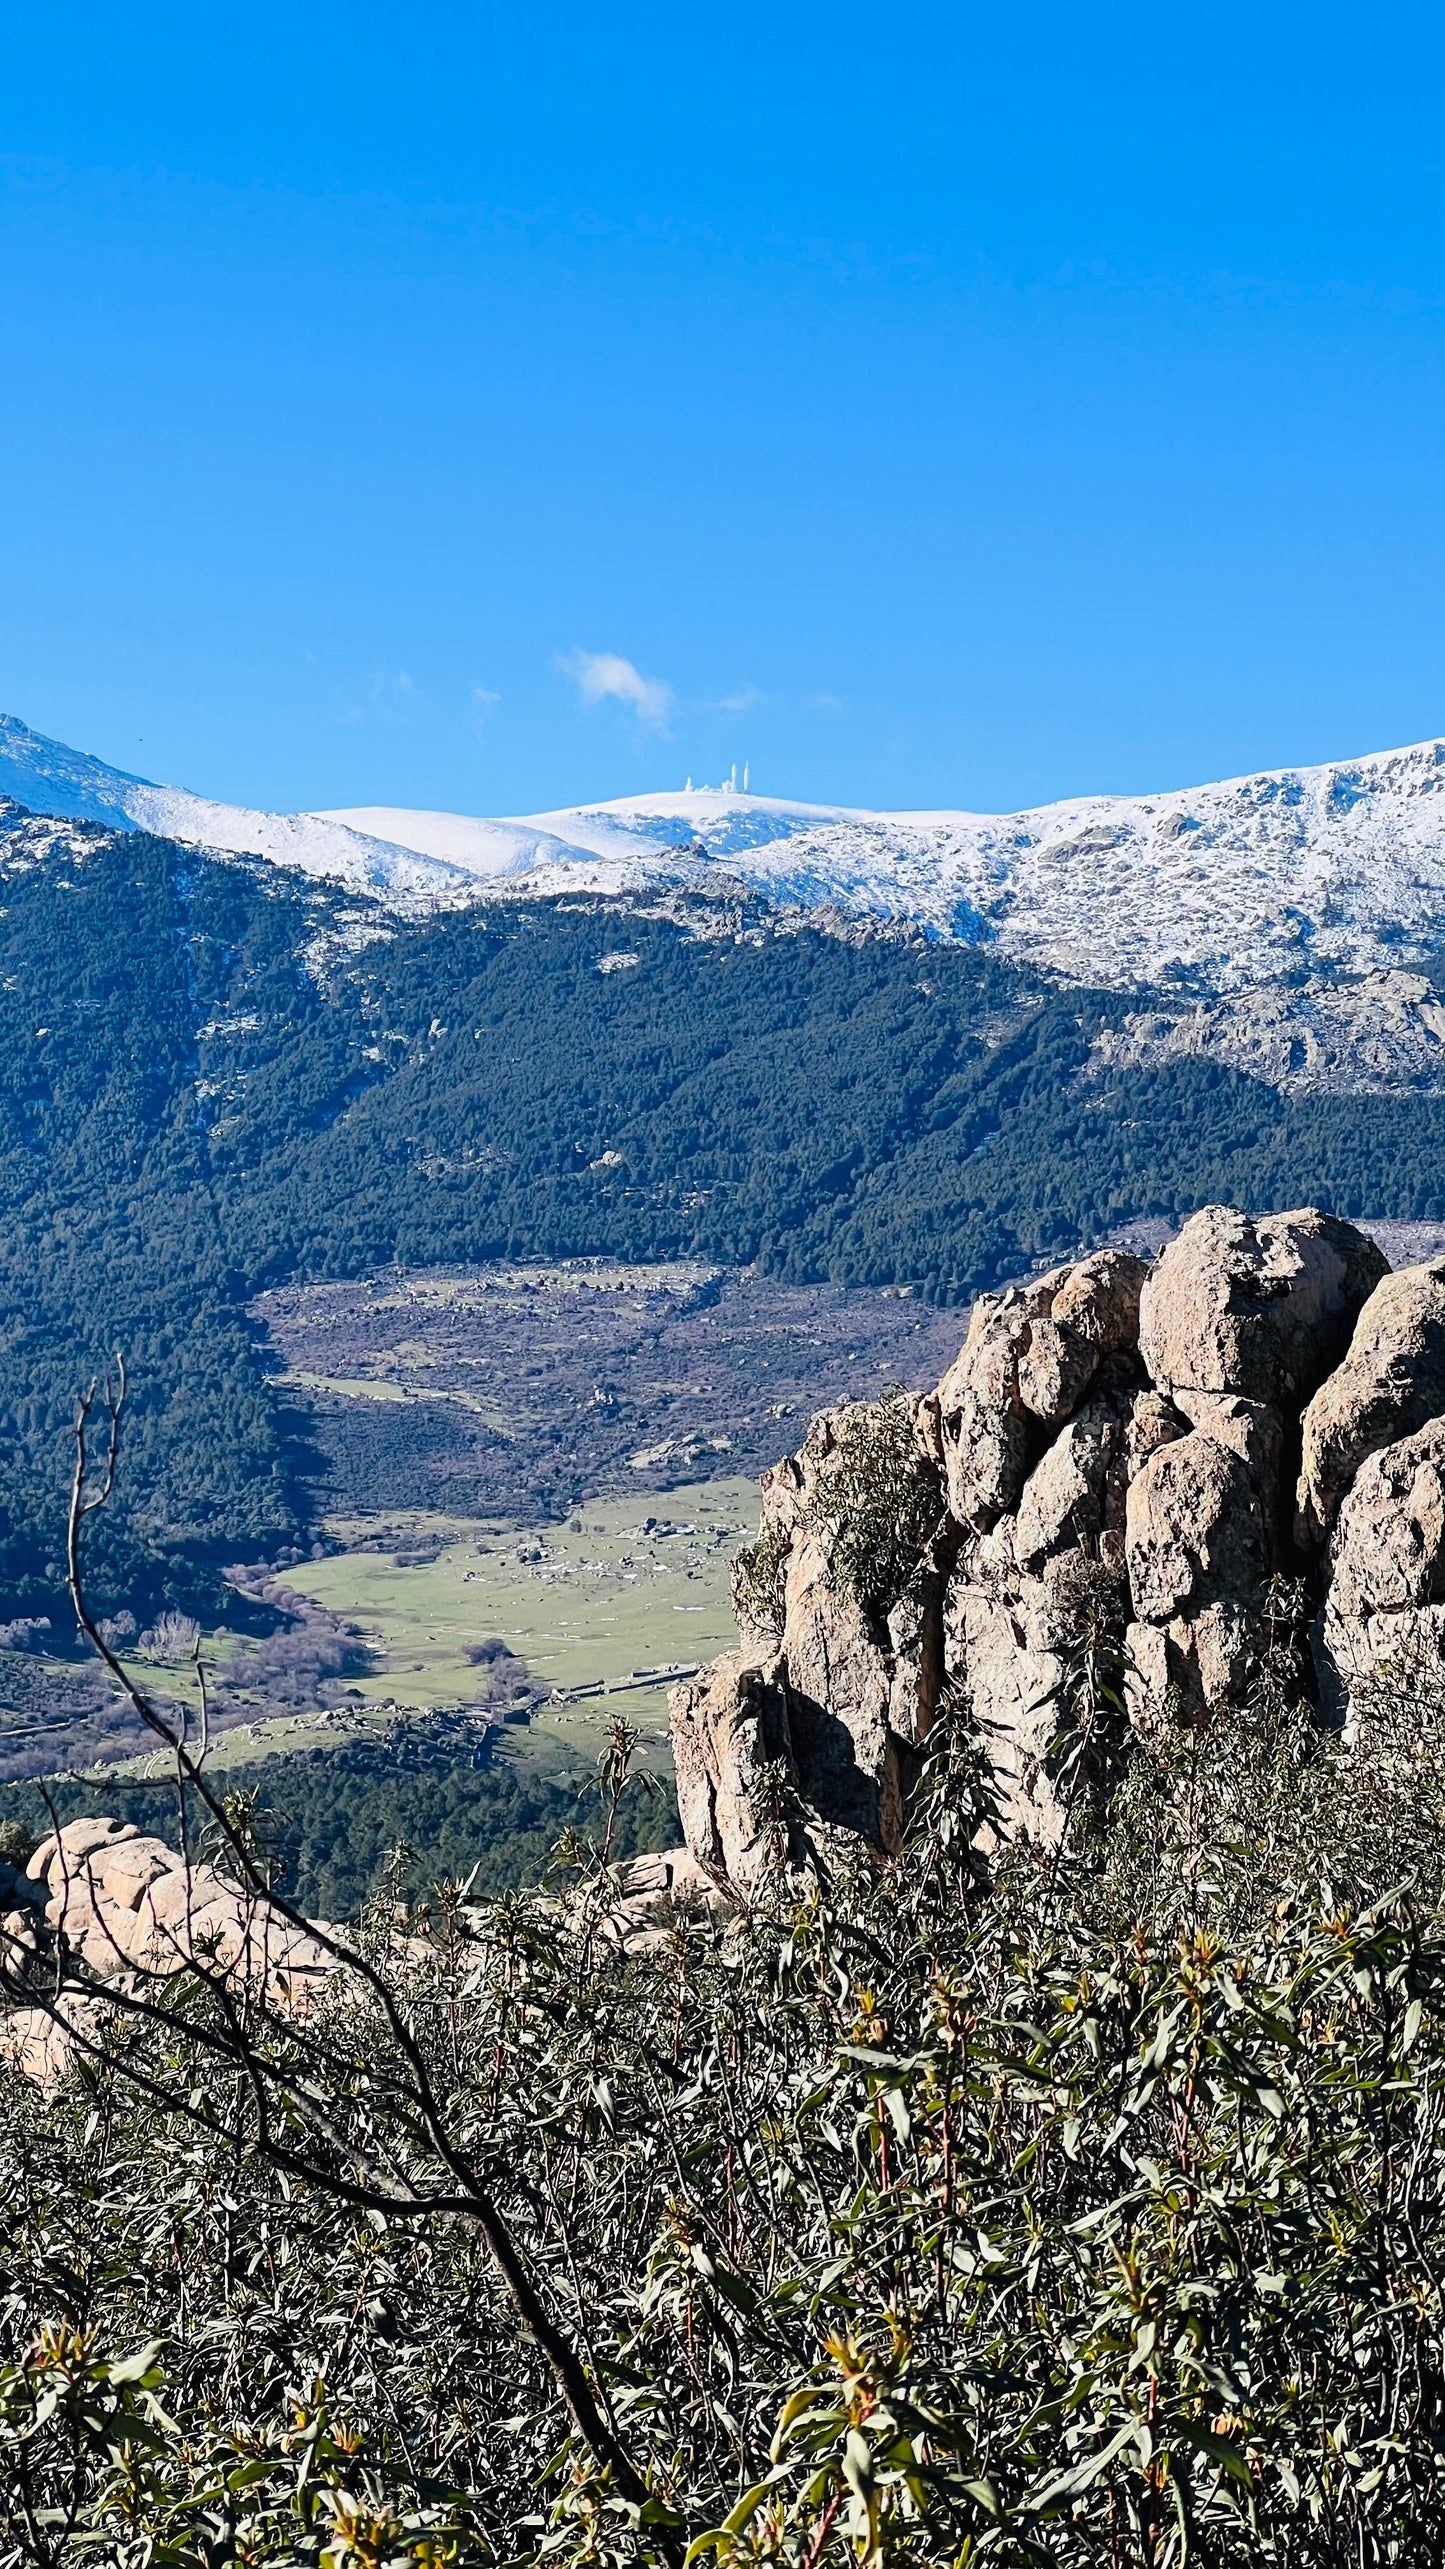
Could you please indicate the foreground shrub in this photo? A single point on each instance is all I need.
(1086, 2212)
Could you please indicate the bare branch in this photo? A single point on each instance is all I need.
(234, 2042)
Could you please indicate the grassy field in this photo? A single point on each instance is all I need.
(625, 1584)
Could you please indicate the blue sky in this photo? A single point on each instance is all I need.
(942, 405)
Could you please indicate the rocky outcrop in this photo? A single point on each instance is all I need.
(1385, 1609)
(1113, 1438)
(1093, 1313)
(1375, 1036)
(730, 1740)
(1197, 1552)
(1029, 1356)
(841, 1660)
(1391, 1381)
(656, 1893)
(100, 1903)
(1262, 1309)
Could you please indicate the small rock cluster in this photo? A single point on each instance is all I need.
(98, 1902)
(654, 1891)
(1266, 1401)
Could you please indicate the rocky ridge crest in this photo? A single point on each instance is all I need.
(1265, 1403)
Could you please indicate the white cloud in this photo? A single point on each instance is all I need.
(739, 700)
(600, 675)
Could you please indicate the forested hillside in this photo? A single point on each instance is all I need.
(112, 1236)
(215, 1077)
(862, 1110)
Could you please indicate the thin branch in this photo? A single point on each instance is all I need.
(237, 2047)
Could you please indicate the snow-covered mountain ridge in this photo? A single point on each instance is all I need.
(47, 777)
(1295, 876)
(1277, 877)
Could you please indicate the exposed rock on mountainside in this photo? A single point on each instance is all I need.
(1253, 1311)
(1392, 1381)
(128, 1912)
(1386, 1601)
(1116, 1448)
(1373, 1036)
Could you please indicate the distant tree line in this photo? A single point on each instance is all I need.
(341, 1823)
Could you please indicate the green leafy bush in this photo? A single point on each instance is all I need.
(1082, 2210)
(878, 1504)
(758, 1579)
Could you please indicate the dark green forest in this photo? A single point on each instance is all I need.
(338, 1822)
(216, 1077)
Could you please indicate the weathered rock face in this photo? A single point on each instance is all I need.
(729, 1734)
(1106, 1429)
(1093, 1313)
(1385, 1611)
(841, 1658)
(126, 1908)
(1259, 1308)
(1392, 1381)
(1029, 1356)
(987, 1432)
(657, 1891)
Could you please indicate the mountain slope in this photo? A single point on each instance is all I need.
(47, 777)
(1263, 879)
(1274, 880)
(217, 1077)
(113, 958)
(646, 839)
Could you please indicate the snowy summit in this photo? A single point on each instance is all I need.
(1280, 877)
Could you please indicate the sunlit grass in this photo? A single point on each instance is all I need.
(577, 1605)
